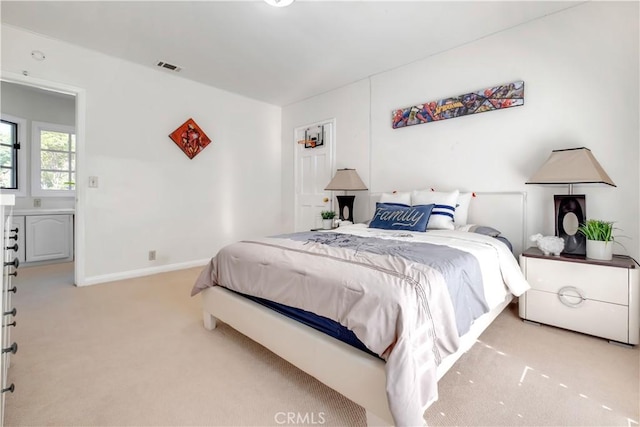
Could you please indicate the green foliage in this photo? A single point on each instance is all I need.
(56, 141)
(328, 214)
(6, 161)
(7, 139)
(57, 159)
(596, 229)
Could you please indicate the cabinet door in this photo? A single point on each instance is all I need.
(48, 237)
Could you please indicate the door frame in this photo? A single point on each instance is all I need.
(296, 158)
(81, 178)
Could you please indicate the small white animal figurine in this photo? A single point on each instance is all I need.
(548, 244)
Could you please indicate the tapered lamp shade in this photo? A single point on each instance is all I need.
(571, 166)
(346, 180)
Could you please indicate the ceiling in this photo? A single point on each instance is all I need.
(276, 55)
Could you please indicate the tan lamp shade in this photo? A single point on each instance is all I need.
(571, 166)
(346, 180)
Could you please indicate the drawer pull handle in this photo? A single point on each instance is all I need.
(14, 289)
(12, 312)
(571, 292)
(9, 389)
(13, 348)
(13, 248)
(10, 324)
(15, 263)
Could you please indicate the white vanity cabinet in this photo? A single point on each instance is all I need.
(48, 237)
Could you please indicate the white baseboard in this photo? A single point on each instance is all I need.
(94, 280)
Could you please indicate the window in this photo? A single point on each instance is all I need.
(53, 160)
(13, 175)
(9, 147)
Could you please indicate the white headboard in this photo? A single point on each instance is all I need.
(502, 210)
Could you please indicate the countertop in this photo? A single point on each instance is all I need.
(44, 211)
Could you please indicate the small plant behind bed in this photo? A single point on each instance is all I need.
(328, 214)
(327, 219)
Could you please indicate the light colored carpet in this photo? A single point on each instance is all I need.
(521, 374)
(134, 352)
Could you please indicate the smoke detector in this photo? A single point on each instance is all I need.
(168, 66)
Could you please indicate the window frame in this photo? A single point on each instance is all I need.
(36, 163)
(13, 146)
(21, 161)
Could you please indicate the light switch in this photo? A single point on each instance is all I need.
(93, 182)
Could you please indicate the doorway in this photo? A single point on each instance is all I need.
(25, 91)
(314, 168)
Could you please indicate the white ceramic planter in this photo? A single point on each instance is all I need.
(327, 224)
(600, 250)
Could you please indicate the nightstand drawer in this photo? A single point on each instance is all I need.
(591, 317)
(595, 282)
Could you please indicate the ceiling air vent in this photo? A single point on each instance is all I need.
(168, 66)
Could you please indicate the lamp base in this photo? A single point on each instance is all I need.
(570, 213)
(345, 207)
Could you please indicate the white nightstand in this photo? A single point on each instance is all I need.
(599, 298)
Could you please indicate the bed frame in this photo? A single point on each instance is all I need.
(355, 374)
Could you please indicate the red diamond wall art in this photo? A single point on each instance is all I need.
(190, 138)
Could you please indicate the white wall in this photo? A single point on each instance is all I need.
(151, 195)
(580, 68)
(41, 106)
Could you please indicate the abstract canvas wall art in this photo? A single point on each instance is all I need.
(490, 99)
(190, 138)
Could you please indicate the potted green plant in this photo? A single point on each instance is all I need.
(599, 236)
(327, 219)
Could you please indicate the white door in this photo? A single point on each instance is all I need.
(314, 169)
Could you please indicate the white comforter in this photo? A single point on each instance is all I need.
(399, 309)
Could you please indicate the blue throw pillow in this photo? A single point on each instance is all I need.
(392, 216)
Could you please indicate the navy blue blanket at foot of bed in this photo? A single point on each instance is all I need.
(320, 323)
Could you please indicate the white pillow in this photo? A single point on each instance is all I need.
(444, 210)
(403, 198)
(462, 209)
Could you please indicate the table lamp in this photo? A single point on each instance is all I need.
(571, 166)
(346, 180)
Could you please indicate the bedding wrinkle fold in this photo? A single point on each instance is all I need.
(400, 304)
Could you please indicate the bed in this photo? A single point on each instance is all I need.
(383, 286)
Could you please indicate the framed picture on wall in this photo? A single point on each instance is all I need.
(190, 138)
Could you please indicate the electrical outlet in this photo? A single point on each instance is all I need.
(37, 203)
(152, 255)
